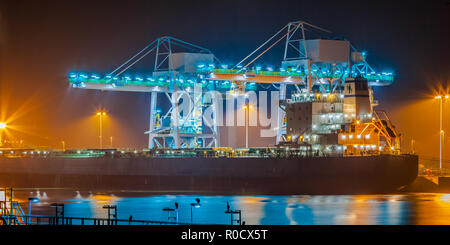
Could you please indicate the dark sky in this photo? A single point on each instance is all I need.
(42, 41)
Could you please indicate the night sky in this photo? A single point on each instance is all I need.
(42, 41)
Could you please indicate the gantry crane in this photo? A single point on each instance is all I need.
(182, 69)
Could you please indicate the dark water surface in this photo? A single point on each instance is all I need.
(398, 209)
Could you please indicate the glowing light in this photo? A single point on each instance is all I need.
(3, 125)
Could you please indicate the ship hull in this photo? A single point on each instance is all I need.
(236, 176)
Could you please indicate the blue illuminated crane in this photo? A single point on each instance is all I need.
(182, 69)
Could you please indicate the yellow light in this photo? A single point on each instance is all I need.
(446, 96)
(438, 97)
(3, 125)
(245, 107)
(357, 122)
(98, 113)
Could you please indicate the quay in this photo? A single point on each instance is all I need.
(59, 220)
(11, 213)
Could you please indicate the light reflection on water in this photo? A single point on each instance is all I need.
(418, 208)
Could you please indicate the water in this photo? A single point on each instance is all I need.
(417, 208)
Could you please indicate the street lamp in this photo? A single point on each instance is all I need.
(31, 200)
(101, 114)
(3, 126)
(247, 112)
(195, 204)
(441, 132)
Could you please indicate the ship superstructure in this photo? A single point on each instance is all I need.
(340, 123)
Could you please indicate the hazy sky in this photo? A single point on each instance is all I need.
(42, 41)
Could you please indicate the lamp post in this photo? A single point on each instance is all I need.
(3, 126)
(101, 114)
(247, 115)
(441, 132)
(31, 200)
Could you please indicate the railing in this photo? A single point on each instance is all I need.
(18, 212)
(4, 208)
(13, 215)
(59, 220)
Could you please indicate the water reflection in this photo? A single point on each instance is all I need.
(423, 208)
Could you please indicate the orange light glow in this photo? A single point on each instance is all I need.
(3, 125)
(442, 96)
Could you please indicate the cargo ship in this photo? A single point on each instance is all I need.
(339, 154)
(289, 175)
(330, 139)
